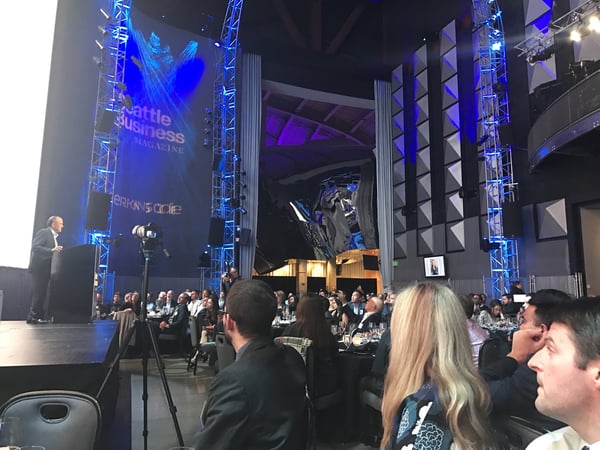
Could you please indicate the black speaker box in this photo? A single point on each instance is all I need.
(505, 134)
(512, 222)
(96, 217)
(106, 122)
(244, 236)
(370, 262)
(216, 231)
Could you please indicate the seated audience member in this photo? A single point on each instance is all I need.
(179, 319)
(150, 305)
(127, 303)
(493, 317)
(477, 335)
(388, 306)
(137, 304)
(170, 304)
(160, 301)
(513, 386)
(102, 310)
(258, 402)
(352, 311)
(334, 311)
(311, 323)
(374, 381)
(372, 317)
(437, 400)
(281, 306)
(292, 303)
(116, 303)
(509, 307)
(568, 372)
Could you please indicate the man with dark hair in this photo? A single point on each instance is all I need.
(44, 245)
(258, 402)
(568, 373)
(512, 384)
(228, 279)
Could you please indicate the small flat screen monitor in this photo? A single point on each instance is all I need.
(434, 266)
(521, 298)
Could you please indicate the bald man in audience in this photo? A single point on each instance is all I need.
(568, 375)
(372, 317)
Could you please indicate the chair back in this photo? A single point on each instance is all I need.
(300, 344)
(225, 351)
(194, 331)
(126, 319)
(521, 431)
(57, 420)
(490, 351)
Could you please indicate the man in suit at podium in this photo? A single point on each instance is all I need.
(42, 248)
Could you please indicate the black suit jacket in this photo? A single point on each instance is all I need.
(258, 402)
(374, 318)
(513, 388)
(41, 251)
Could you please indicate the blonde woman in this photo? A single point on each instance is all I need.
(433, 397)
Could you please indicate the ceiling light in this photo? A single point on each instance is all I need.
(99, 45)
(104, 14)
(575, 36)
(594, 24)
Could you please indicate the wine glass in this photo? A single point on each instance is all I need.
(347, 339)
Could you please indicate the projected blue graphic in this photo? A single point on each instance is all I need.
(163, 172)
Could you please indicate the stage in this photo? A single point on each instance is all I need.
(59, 356)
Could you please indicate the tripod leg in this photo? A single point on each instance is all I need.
(163, 377)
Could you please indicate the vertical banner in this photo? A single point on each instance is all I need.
(164, 163)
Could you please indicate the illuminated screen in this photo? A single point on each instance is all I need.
(434, 266)
(24, 98)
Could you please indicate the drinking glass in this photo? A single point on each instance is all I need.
(347, 340)
(10, 431)
(334, 330)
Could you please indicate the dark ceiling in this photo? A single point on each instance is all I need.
(331, 45)
(319, 60)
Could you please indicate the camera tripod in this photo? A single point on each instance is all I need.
(147, 334)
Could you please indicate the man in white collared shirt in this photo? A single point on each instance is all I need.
(568, 375)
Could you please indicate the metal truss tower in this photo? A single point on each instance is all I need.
(225, 177)
(499, 183)
(112, 44)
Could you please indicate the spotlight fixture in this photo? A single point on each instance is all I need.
(206, 142)
(496, 46)
(104, 14)
(127, 102)
(594, 24)
(100, 45)
(242, 211)
(218, 44)
(103, 31)
(98, 62)
(575, 35)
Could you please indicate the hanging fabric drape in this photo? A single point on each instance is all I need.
(250, 127)
(383, 152)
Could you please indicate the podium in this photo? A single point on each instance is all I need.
(71, 290)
